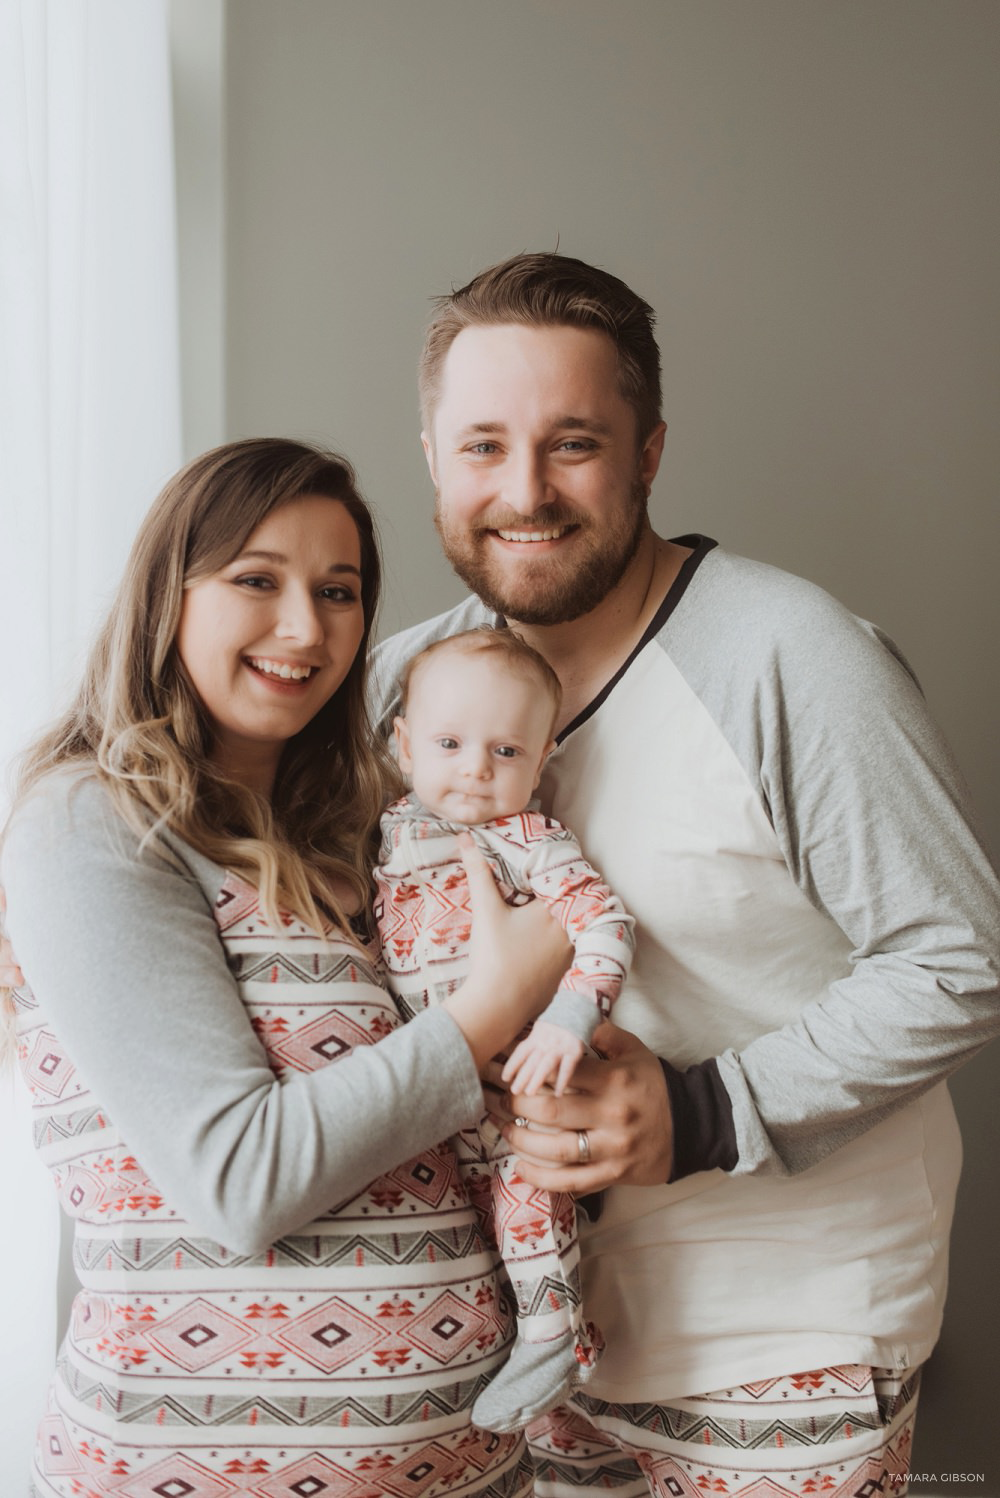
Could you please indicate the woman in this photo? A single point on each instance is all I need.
(284, 1290)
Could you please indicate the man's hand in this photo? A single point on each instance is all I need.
(10, 974)
(613, 1129)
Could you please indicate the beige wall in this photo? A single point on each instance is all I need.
(807, 194)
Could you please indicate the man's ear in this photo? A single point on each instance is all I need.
(401, 729)
(652, 452)
(541, 763)
(427, 443)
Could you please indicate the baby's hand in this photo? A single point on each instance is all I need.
(548, 1055)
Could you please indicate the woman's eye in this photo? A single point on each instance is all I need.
(338, 594)
(253, 580)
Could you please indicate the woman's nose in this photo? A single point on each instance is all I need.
(300, 620)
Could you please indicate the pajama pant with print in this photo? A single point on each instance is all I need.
(842, 1432)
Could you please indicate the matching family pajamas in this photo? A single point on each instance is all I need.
(425, 923)
(272, 1306)
(818, 927)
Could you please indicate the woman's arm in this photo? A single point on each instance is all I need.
(125, 960)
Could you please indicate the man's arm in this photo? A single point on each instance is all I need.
(872, 820)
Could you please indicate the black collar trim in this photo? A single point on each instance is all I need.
(700, 547)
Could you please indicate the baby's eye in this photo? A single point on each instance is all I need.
(507, 751)
(447, 743)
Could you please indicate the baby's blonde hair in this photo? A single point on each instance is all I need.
(503, 645)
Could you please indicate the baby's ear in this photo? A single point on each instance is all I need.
(401, 729)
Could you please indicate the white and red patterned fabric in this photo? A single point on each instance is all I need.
(843, 1432)
(424, 915)
(341, 1361)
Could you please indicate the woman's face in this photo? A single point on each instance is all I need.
(269, 639)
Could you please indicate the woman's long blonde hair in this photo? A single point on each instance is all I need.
(138, 721)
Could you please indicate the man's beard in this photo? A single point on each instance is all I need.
(541, 591)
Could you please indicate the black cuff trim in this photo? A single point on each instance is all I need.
(702, 1112)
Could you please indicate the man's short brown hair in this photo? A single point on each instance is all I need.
(548, 290)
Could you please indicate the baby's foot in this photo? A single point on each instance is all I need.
(536, 1377)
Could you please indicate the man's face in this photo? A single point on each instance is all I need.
(541, 492)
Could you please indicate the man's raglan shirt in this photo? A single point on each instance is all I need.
(817, 931)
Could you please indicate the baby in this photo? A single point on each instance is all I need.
(477, 718)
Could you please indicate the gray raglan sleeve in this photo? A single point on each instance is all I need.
(873, 820)
(124, 958)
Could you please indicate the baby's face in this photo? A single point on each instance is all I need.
(475, 736)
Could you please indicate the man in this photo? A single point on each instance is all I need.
(754, 772)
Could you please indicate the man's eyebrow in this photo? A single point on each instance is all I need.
(279, 558)
(581, 424)
(560, 424)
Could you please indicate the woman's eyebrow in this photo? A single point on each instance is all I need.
(281, 559)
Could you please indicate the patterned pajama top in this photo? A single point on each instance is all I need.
(424, 909)
(272, 1303)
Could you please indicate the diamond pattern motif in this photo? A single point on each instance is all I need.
(331, 1336)
(244, 1372)
(446, 1328)
(200, 1334)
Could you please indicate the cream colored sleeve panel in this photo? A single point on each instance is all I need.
(125, 961)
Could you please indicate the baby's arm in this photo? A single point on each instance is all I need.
(552, 867)
(548, 1056)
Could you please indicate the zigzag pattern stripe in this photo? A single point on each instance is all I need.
(95, 1254)
(344, 1358)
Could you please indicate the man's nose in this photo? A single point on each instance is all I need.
(527, 488)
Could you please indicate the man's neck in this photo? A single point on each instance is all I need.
(587, 652)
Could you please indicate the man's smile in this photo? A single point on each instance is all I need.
(553, 534)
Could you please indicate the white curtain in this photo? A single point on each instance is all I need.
(89, 430)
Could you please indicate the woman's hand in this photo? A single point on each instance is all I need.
(613, 1129)
(10, 974)
(516, 957)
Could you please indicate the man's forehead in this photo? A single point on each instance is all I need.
(573, 369)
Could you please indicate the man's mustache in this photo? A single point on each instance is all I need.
(546, 519)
